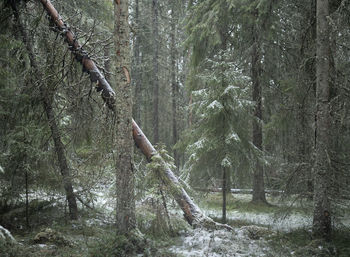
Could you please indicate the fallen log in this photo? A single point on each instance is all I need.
(192, 213)
(81, 55)
(237, 190)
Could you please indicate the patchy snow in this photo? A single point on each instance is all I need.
(200, 92)
(226, 162)
(215, 105)
(232, 137)
(202, 242)
(270, 220)
(6, 235)
(199, 144)
(230, 88)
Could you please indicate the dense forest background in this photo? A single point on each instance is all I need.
(247, 97)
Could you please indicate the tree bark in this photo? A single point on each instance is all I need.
(126, 220)
(62, 161)
(322, 207)
(192, 213)
(137, 65)
(81, 55)
(46, 99)
(224, 193)
(258, 177)
(155, 73)
(174, 87)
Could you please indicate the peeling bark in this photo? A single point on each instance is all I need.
(81, 55)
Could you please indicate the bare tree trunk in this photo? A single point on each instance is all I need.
(47, 99)
(192, 213)
(126, 220)
(81, 55)
(174, 87)
(155, 73)
(27, 199)
(322, 207)
(224, 194)
(258, 177)
(62, 161)
(137, 73)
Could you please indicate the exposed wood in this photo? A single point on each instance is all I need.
(81, 55)
(192, 213)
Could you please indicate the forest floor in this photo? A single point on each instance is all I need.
(278, 229)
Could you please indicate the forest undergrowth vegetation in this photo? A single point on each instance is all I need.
(94, 234)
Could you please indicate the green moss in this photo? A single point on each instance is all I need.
(214, 201)
(300, 243)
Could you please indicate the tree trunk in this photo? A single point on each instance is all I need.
(137, 73)
(81, 55)
(155, 73)
(62, 161)
(126, 220)
(224, 193)
(27, 199)
(258, 177)
(192, 213)
(47, 104)
(322, 208)
(174, 87)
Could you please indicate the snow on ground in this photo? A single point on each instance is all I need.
(200, 242)
(291, 222)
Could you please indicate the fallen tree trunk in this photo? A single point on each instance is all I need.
(237, 190)
(81, 55)
(193, 215)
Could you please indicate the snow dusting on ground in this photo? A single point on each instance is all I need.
(270, 220)
(200, 242)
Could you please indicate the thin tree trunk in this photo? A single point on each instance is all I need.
(155, 73)
(47, 104)
(224, 193)
(62, 161)
(107, 63)
(137, 73)
(192, 213)
(258, 177)
(126, 220)
(174, 87)
(27, 199)
(322, 207)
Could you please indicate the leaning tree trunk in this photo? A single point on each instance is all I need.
(258, 176)
(126, 220)
(46, 99)
(322, 209)
(192, 213)
(59, 148)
